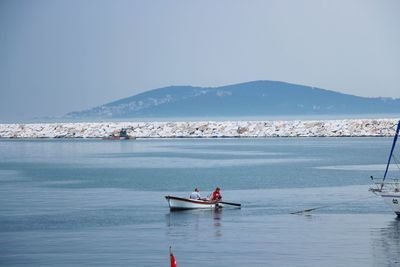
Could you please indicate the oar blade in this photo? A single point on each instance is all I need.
(232, 204)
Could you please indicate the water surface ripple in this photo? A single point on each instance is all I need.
(101, 203)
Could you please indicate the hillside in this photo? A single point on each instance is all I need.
(245, 99)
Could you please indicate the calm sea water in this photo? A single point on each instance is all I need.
(101, 203)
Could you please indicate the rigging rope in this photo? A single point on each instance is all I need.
(396, 161)
(391, 151)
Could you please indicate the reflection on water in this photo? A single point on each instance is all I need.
(194, 222)
(386, 244)
(217, 214)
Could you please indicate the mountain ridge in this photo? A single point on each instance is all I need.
(252, 98)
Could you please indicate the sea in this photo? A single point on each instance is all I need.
(102, 203)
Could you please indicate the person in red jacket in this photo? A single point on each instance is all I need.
(216, 195)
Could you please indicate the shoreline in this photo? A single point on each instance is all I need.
(203, 129)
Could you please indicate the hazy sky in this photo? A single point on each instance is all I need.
(58, 56)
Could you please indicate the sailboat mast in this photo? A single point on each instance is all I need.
(391, 151)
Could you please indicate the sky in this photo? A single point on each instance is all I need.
(58, 56)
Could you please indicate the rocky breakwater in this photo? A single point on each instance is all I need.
(205, 129)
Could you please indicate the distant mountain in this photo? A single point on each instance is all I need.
(245, 99)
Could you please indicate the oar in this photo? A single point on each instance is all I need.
(230, 203)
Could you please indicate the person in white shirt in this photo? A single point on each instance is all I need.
(195, 194)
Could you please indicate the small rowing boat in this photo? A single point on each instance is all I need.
(121, 135)
(178, 203)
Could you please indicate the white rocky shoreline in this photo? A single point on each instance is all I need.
(204, 129)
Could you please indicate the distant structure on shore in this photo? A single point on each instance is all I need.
(257, 98)
(205, 129)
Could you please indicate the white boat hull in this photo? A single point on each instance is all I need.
(177, 203)
(393, 200)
